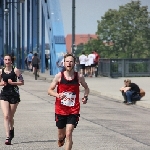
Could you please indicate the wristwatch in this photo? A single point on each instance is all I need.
(86, 98)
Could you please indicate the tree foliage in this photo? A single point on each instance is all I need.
(127, 28)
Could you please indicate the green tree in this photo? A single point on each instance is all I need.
(128, 29)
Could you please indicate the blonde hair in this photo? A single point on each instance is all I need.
(128, 80)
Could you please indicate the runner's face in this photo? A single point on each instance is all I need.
(69, 63)
(7, 61)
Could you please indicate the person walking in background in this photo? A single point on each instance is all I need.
(97, 57)
(91, 58)
(35, 63)
(87, 66)
(10, 96)
(82, 61)
(46, 61)
(67, 105)
(96, 62)
(60, 63)
(29, 60)
(26, 63)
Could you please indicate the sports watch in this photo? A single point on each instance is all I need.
(86, 98)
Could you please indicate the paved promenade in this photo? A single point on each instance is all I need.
(105, 123)
(109, 87)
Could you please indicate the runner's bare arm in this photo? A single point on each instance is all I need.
(84, 84)
(18, 74)
(2, 83)
(20, 77)
(53, 85)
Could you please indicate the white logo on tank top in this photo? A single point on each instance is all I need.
(69, 100)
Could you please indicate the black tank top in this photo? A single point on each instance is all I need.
(10, 75)
(35, 60)
(73, 81)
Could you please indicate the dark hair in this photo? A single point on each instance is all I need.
(35, 54)
(83, 52)
(9, 56)
(68, 54)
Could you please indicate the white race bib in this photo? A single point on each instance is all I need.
(69, 100)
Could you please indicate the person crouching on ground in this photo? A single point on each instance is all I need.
(131, 90)
(67, 105)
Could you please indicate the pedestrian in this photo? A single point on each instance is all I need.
(35, 63)
(67, 105)
(29, 60)
(91, 58)
(26, 63)
(87, 66)
(10, 96)
(82, 61)
(60, 63)
(46, 61)
(96, 62)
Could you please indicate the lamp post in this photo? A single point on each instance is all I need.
(73, 26)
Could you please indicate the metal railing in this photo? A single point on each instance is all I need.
(124, 67)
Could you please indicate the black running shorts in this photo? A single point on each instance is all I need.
(62, 120)
(82, 66)
(11, 96)
(36, 65)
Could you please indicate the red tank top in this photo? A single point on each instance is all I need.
(70, 104)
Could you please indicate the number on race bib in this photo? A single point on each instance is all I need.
(69, 100)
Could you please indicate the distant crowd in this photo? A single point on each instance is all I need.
(89, 63)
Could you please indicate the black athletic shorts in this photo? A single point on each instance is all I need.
(36, 65)
(11, 96)
(63, 120)
(82, 66)
(92, 65)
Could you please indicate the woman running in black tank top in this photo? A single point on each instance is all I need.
(10, 97)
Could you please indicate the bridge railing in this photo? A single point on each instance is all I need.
(124, 67)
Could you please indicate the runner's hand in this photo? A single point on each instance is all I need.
(84, 100)
(4, 83)
(9, 81)
(61, 95)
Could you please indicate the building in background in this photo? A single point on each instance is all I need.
(79, 39)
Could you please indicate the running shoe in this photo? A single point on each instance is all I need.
(8, 141)
(61, 142)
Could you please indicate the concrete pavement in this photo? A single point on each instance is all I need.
(105, 123)
(109, 87)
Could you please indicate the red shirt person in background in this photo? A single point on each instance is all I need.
(97, 58)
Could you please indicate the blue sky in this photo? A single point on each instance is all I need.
(88, 12)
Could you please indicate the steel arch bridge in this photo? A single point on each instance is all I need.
(22, 29)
